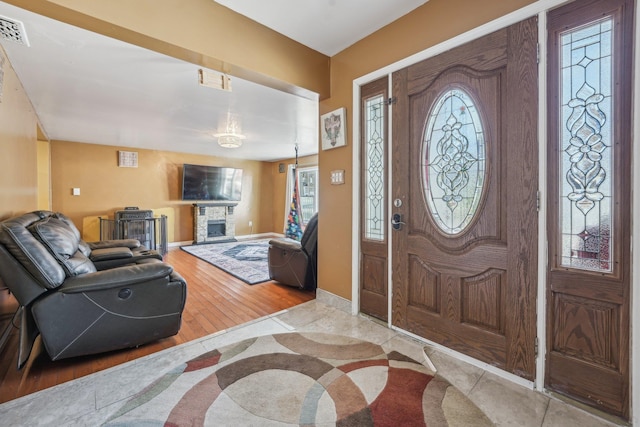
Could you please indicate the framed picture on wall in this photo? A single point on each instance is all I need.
(333, 127)
(128, 159)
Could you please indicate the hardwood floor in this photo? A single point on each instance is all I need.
(215, 301)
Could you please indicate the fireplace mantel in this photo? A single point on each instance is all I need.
(213, 222)
(213, 204)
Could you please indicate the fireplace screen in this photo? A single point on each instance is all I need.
(216, 228)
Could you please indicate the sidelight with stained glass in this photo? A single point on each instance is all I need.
(586, 160)
(374, 169)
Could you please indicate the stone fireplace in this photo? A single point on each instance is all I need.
(213, 223)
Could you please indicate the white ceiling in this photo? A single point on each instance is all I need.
(90, 88)
(328, 26)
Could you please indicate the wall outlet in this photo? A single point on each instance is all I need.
(75, 191)
(250, 223)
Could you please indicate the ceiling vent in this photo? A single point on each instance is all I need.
(214, 80)
(13, 30)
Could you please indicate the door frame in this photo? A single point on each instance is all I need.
(538, 8)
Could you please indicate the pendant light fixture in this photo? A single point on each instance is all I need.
(231, 137)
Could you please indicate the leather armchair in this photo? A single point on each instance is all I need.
(295, 263)
(82, 302)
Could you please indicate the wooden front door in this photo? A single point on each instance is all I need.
(464, 187)
(588, 279)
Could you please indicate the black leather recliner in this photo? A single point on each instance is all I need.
(295, 263)
(85, 298)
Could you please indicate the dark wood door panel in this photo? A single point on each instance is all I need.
(588, 383)
(487, 53)
(473, 260)
(426, 290)
(467, 292)
(374, 270)
(475, 342)
(458, 310)
(593, 286)
(588, 330)
(472, 290)
(374, 298)
(483, 300)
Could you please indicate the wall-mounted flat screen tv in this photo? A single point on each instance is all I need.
(211, 183)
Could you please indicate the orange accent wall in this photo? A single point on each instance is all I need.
(18, 151)
(155, 184)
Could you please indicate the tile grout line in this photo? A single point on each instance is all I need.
(546, 411)
(476, 383)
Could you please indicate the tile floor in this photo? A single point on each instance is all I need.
(90, 400)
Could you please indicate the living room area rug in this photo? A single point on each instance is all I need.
(247, 260)
(310, 379)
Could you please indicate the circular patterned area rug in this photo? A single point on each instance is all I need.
(309, 379)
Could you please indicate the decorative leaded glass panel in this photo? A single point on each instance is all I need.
(454, 161)
(586, 188)
(374, 215)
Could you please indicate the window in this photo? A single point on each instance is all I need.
(454, 161)
(586, 159)
(307, 192)
(308, 188)
(374, 178)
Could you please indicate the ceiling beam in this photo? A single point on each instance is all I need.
(203, 33)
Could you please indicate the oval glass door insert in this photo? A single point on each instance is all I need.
(453, 155)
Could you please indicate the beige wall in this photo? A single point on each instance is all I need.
(154, 184)
(432, 23)
(44, 174)
(18, 152)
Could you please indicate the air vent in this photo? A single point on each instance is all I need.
(13, 30)
(214, 80)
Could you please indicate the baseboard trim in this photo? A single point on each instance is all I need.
(333, 300)
(259, 236)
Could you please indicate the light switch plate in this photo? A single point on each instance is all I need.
(337, 177)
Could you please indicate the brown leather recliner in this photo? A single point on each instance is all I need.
(85, 298)
(295, 263)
